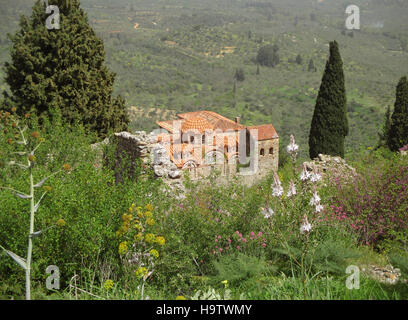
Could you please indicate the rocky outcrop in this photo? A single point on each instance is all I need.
(388, 275)
(328, 165)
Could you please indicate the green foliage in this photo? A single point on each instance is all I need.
(239, 267)
(239, 74)
(299, 59)
(65, 69)
(87, 199)
(329, 124)
(385, 131)
(398, 135)
(268, 56)
(311, 67)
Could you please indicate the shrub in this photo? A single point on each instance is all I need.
(376, 204)
(239, 267)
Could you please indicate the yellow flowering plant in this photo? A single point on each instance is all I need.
(139, 243)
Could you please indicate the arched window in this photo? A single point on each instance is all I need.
(270, 150)
(262, 153)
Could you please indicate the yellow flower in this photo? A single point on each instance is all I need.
(154, 253)
(123, 248)
(150, 237)
(149, 207)
(150, 221)
(141, 272)
(108, 285)
(126, 217)
(125, 227)
(160, 241)
(148, 214)
(61, 223)
(139, 212)
(66, 167)
(139, 236)
(180, 298)
(47, 188)
(225, 282)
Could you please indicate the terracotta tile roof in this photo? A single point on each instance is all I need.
(265, 131)
(196, 123)
(218, 121)
(201, 120)
(168, 125)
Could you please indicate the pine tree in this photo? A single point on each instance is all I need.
(329, 124)
(398, 136)
(63, 69)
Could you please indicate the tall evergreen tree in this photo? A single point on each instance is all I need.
(311, 66)
(239, 74)
(385, 130)
(329, 124)
(398, 135)
(63, 69)
(299, 59)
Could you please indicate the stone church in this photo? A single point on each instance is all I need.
(203, 142)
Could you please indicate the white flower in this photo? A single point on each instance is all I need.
(319, 208)
(306, 226)
(315, 176)
(305, 174)
(292, 147)
(277, 189)
(267, 213)
(292, 189)
(315, 200)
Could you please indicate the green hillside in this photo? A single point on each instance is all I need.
(181, 55)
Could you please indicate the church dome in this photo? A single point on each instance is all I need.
(196, 123)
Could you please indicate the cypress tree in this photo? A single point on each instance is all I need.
(299, 59)
(329, 124)
(311, 66)
(385, 130)
(63, 69)
(398, 135)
